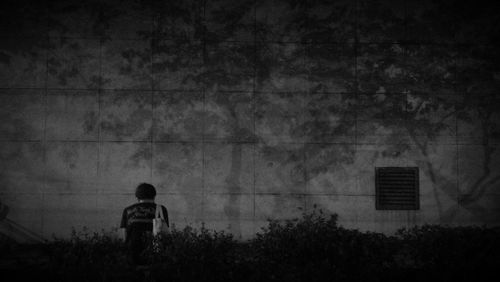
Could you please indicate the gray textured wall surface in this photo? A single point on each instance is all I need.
(240, 111)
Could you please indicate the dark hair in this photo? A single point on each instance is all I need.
(145, 191)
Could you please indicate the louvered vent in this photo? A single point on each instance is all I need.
(396, 188)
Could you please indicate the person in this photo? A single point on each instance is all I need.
(137, 222)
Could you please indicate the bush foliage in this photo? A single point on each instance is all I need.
(313, 248)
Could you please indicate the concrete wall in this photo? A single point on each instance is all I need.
(239, 111)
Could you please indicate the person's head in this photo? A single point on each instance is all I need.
(145, 191)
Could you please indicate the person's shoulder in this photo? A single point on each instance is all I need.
(131, 206)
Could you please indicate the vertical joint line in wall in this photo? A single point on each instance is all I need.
(99, 106)
(152, 160)
(44, 137)
(100, 85)
(151, 132)
(356, 79)
(255, 21)
(306, 54)
(356, 85)
(153, 34)
(254, 85)
(304, 143)
(457, 92)
(204, 23)
(254, 145)
(254, 106)
(203, 158)
(203, 120)
(98, 132)
(406, 99)
(152, 129)
(304, 161)
(66, 167)
(304, 95)
(405, 21)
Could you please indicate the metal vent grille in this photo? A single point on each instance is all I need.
(397, 188)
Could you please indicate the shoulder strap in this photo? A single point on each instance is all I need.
(159, 212)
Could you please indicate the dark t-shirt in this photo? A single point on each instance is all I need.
(138, 219)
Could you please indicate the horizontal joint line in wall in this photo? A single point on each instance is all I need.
(21, 141)
(286, 193)
(101, 192)
(303, 92)
(219, 91)
(71, 141)
(159, 91)
(311, 194)
(20, 88)
(222, 141)
(51, 193)
(154, 36)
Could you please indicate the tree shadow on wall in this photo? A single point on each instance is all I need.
(300, 67)
(288, 83)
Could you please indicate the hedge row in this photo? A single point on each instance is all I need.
(313, 248)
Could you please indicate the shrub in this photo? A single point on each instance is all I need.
(450, 253)
(88, 257)
(190, 255)
(316, 248)
(313, 248)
